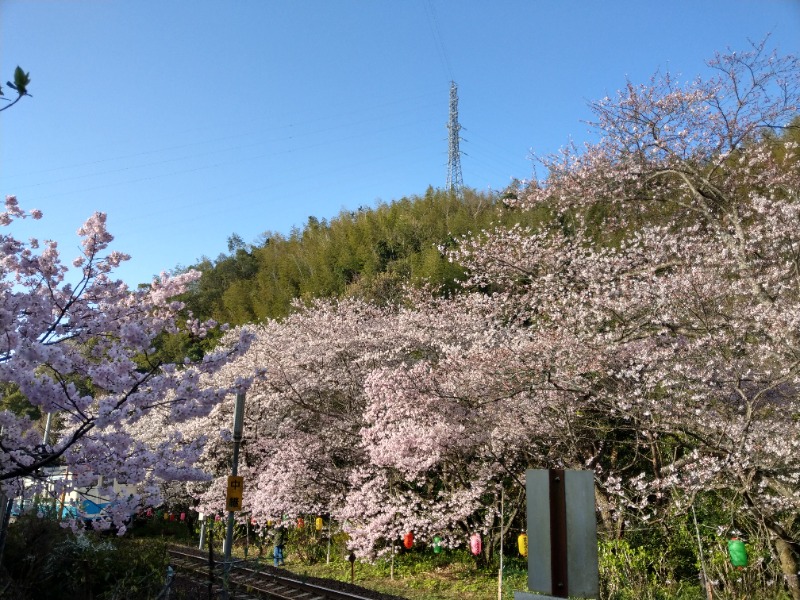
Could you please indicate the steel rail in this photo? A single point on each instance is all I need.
(253, 582)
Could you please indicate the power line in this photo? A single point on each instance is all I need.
(238, 161)
(249, 132)
(433, 23)
(455, 181)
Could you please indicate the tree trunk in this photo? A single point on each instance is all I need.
(604, 506)
(6, 505)
(788, 566)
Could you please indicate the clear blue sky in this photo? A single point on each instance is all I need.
(189, 121)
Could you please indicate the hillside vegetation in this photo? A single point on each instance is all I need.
(370, 253)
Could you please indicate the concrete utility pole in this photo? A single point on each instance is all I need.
(238, 426)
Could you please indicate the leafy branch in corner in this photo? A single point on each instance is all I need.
(20, 85)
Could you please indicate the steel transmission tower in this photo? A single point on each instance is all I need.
(455, 182)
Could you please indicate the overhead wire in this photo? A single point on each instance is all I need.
(493, 158)
(234, 161)
(249, 133)
(218, 151)
(223, 201)
(433, 23)
(479, 153)
(481, 156)
(489, 160)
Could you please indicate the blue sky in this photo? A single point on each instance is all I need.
(189, 121)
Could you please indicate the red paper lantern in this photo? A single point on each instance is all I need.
(300, 522)
(408, 540)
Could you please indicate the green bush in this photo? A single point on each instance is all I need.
(46, 561)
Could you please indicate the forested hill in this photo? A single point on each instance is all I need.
(368, 253)
(372, 252)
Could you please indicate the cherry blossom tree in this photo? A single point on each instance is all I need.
(387, 419)
(452, 428)
(81, 347)
(303, 411)
(675, 262)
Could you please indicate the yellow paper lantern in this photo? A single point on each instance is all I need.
(522, 542)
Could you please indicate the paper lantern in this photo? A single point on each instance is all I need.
(217, 518)
(171, 516)
(300, 522)
(737, 553)
(437, 544)
(522, 542)
(475, 544)
(408, 540)
(149, 512)
(166, 516)
(318, 524)
(183, 516)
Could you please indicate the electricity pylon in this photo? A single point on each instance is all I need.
(455, 182)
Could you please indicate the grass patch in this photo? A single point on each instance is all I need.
(422, 576)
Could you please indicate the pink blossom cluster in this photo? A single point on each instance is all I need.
(81, 348)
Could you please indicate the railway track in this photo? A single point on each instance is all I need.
(249, 581)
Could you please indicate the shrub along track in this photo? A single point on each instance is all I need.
(250, 580)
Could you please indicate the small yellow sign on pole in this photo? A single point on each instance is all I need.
(233, 498)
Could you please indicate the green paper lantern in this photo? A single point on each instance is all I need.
(737, 552)
(437, 544)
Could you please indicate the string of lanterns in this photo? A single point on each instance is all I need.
(737, 551)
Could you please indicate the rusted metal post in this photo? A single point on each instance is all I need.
(558, 534)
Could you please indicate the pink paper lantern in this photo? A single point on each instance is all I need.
(475, 544)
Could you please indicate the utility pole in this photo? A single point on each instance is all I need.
(238, 426)
(455, 182)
